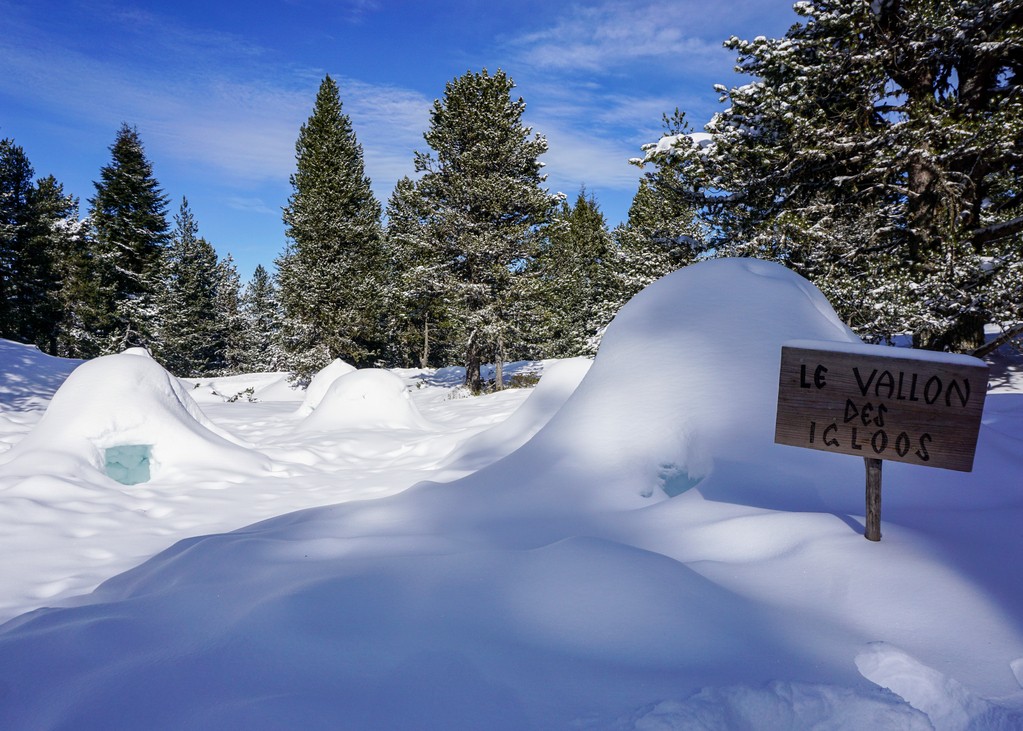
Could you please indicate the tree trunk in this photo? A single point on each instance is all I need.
(966, 335)
(998, 342)
(499, 365)
(424, 357)
(473, 361)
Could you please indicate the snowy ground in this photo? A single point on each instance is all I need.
(623, 547)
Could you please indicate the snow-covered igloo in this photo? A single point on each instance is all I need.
(370, 398)
(320, 383)
(127, 417)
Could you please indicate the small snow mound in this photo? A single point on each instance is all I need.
(142, 352)
(125, 400)
(321, 383)
(248, 387)
(368, 398)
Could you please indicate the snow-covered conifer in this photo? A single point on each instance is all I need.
(575, 285)
(329, 276)
(418, 324)
(231, 330)
(40, 235)
(189, 343)
(878, 153)
(482, 190)
(661, 234)
(130, 237)
(261, 313)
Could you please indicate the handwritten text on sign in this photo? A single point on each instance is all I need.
(864, 401)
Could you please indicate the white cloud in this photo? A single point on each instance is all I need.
(598, 80)
(576, 158)
(389, 122)
(209, 101)
(252, 205)
(603, 36)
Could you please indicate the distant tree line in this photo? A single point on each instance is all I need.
(122, 276)
(877, 152)
(474, 262)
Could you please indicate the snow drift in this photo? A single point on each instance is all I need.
(562, 587)
(29, 377)
(559, 381)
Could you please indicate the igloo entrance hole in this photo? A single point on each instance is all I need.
(127, 463)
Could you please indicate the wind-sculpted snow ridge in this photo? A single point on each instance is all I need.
(649, 559)
(251, 387)
(560, 379)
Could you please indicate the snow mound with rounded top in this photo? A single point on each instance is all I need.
(700, 351)
(321, 383)
(129, 401)
(369, 398)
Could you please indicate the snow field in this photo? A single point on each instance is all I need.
(628, 550)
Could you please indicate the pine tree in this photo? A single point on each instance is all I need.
(878, 154)
(15, 252)
(190, 328)
(130, 236)
(481, 187)
(261, 315)
(80, 295)
(230, 325)
(329, 276)
(661, 234)
(417, 323)
(574, 280)
(38, 230)
(54, 235)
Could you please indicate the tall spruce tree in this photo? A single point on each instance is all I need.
(878, 153)
(231, 326)
(80, 294)
(482, 189)
(17, 258)
(130, 237)
(38, 229)
(15, 187)
(54, 235)
(329, 276)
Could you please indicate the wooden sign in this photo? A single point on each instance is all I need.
(882, 403)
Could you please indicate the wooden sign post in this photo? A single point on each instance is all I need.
(881, 403)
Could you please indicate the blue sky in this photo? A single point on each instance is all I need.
(218, 90)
